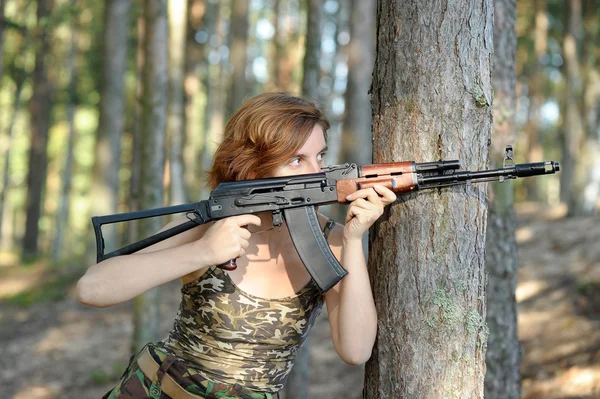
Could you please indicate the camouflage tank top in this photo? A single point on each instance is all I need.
(231, 336)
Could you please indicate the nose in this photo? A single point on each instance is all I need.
(314, 166)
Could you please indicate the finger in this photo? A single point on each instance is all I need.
(362, 193)
(243, 220)
(388, 195)
(244, 233)
(366, 204)
(244, 244)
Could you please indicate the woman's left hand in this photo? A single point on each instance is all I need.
(365, 208)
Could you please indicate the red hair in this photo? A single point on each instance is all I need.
(265, 133)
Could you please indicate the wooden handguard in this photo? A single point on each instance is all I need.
(398, 184)
(384, 169)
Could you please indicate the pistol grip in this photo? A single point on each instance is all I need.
(229, 265)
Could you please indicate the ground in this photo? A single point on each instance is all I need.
(61, 349)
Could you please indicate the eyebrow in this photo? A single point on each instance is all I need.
(322, 150)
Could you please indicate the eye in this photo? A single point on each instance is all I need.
(295, 161)
(321, 156)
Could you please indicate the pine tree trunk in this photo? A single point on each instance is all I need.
(62, 221)
(431, 99)
(238, 48)
(297, 383)
(215, 84)
(196, 66)
(574, 134)
(6, 167)
(40, 110)
(176, 117)
(356, 139)
(2, 7)
(153, 136)
(111, 124)
(503, 360)
(312, 52)
(535, 152)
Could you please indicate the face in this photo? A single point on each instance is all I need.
(309, 158)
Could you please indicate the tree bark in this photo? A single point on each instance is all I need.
(297, 384)
(176, 116)
(356, 137)
(153, 136)
(40, 111)
(62, 221)
(574, 133)
(111, 124)
(431, 99)
(503, 359)
(310, 77)
(239, 37)
(2, 7)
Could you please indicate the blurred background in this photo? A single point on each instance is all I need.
(84, 85)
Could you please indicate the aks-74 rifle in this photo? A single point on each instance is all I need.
(295, 198)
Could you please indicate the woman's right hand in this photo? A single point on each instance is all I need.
(227, 238)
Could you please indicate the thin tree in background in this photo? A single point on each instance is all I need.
(2, 24)
(176, 110)
(582, 142)
(503, 358)
(40, 110)
(573, 128)
(356, 137)
(431, 99)
(215, 82)
(536, 86)
(196, 66)
(590, 165)
(62, 219)
(112, 110)
(284, 42)
(153, 137)
(310, 65)
(237, 52)
(297, 385)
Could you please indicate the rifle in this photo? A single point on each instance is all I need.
(295, 198)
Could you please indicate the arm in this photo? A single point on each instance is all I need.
(350, 304)
(121, 278)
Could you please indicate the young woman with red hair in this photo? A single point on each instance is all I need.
(237, 332)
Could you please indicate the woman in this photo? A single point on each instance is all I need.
(237, 332)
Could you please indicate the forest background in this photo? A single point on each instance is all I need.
(80, 83)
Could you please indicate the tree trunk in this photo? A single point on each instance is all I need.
(2, 7)
(6, 169)
(135, 195)
(176, 117)
(574, 134)
(503, 359)
(154, 118)
(111, 124)
(215, 83)
(196, 67)
(312, 52)
(62, 221)
(585, 183)
(356, 139)
(431, 99)
(297, 384)
(239, 42)
(40, 110)
(535, 152)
